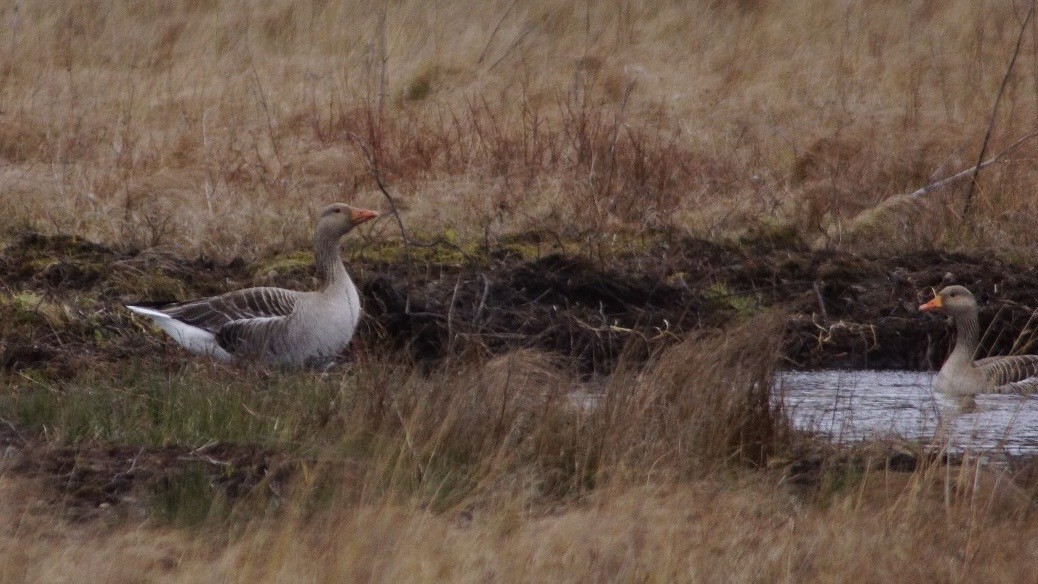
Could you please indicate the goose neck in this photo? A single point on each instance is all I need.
(967, 336)
(330, 270)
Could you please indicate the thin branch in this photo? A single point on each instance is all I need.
(868, 215)
(821, 301)
(483, 299)
(973, 169)
(494, 32)
(266, 113)
(408, 240)
(968, 207)
(383, 54)
(618, 119)
(617, 122)
(369, 157)
(450, 312)
(518, 40)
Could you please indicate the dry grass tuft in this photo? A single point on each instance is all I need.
(885, 530)
(216, 129)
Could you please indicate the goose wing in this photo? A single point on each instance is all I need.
(1027, 386)
(253, 337)
(1009, 370)
(259, 305)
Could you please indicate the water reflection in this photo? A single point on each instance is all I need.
(854, 405)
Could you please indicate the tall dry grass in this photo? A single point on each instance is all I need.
(495, 471)
(516, 438)
(511, 469)
(217, 126)
(525, 417)
(886, 527)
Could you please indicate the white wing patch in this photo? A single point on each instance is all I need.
(192, 338)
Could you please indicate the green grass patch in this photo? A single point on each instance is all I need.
(196, 407)
(188, 498)
(724, 298)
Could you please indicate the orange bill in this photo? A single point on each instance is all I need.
(932, 305)
(359, 216)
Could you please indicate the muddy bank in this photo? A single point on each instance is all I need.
(87, 479)
(61, 299)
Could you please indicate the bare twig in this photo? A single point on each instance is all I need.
(369, 156)
(973, 169)
(968, 206)
(268, 116)
(617, 122)
(494, 32)
(618, 119)
(450, 311)
(383, 59)
(483, 299)
(408, 241)
(515, 43)
(377, 175)
(821, 301)
(209, 445)
(866, 216)
(129, 471)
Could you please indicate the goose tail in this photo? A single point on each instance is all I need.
(194, 339)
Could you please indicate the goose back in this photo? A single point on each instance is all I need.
(212, 314)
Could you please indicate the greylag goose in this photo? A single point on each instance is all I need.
(962, 377)
(274, 325)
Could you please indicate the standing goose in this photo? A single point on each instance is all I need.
(961, 376)
(274, 325)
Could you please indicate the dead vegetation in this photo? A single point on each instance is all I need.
(459, 433)
(486, 470)
(621, 219)
(216, 130)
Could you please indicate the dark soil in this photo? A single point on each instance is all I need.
(61, 309)
(846, 310)
(86, 478)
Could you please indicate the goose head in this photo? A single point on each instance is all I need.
(339, 218)
(953, 301)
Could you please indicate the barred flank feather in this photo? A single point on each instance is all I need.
(1009, 370)
(214, 313)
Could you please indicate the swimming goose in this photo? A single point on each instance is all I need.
(274, 325)
(962, 377)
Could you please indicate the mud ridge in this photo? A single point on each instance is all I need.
(61, 300)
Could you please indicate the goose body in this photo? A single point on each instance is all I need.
(960, 375)
(274, 325)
